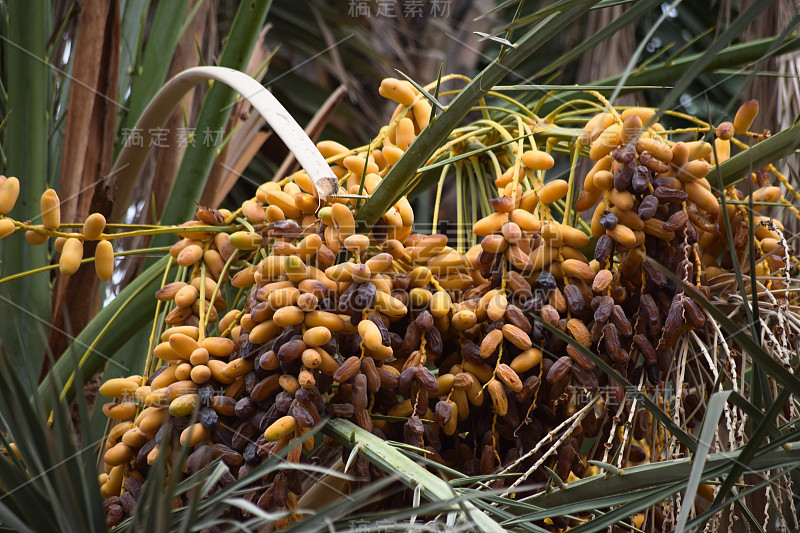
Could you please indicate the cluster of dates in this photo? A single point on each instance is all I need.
(413, 340)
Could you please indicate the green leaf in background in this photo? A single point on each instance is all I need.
(24, 329)
(390, 188)
(134, 18)
(199, 157)
(665, 73)
(147, 79)
(127, 314)
(189, 182)
(708, 429)
(411, 474)
(55, 483)
(658, 474)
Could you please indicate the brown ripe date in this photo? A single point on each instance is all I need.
(694, 313)
(266, 500)
(582, 361)
(641, 424)
(560, 369)
(224, 405)
(625, 153)
(611, 340)
(604, 249)
(341, 410)
(265, 388)
(364, 297)
(676, 221)
(348, 369)
(516, 317)
(585, 378)
(419, 397)
(435, 343)
(487, 460)
(471, 352)
(344, 304)
(564, 461)
(385, 337)
(529, 388)
(669, 195)
(389, 377)
(229, 456)
(653, 274)
(647, 208)
(550, 315)
(653, 374)
(198, 459)
(518, 285)
(643, 344)
(616, 393)
(412, 431)
(705, 222)
(652, 163)
(485, 262)
(503, 204)
(411, 339)
(283, 402)
(620, 320)
(363, 420)
(637, 454)
(291, 351)
(405, 379)
(114, 515)
(443, 412)
(641, 179)
(268, 361)
(285, 228)
(281, 490)
(426, 379)
(605, 306)
(359, 391)
(371, 372)
(674, 320)
(649, 311)
(302, 416)
(622, 179)
(609, 219)
(574, 298)
(424, 321)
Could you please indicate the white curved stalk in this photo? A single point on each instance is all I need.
(132, 158)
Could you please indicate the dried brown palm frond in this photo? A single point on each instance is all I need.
(612, 55)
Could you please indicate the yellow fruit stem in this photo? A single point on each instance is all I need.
(459, 211)
(500, 129)
(559, 112)
(571, 187)
(155, 331)
(476, 169)
(99, 336)
(201, 328)
(439, 188)
(18, 275)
